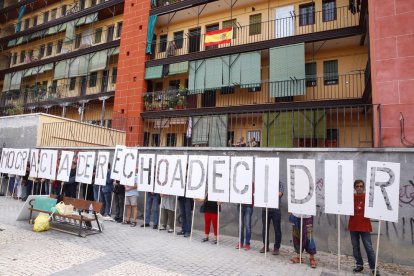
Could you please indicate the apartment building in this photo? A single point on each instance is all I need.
(60, 57)
(284, 73)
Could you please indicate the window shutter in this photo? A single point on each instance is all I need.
(200, 130)
(178, 68)
(309, 124)
(250, 68)
(214, 73)
(61, 70)
(196, 76)
(98, 61)
(6, 82)
(153, 72)
(277, 130)
(218, 131)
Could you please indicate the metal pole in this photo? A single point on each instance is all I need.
(376, 253)
(123, 214)
(240, 227)
(218, 222)
(175, 213)
(159, 217)
(86, 190)
(79, 189)
(61, 187)
(145, 206)
(300, 245)
(339, 243)
(99, 192)
(192, 222)
(265, 243)
(8, 185)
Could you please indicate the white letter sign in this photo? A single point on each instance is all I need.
(170, 176)
(129, 164)
(266, 183)
(146, 171)
(197, 176)
(47, 164)
(84, 170)
(241, 178)
(218, 178)
(102, 162)
(65, 165)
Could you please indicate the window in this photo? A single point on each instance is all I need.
(14, 59)
(59, 46)
(22, 56)
(179, 39)
(114, 74)
(331, 140)
(310, 72)
(110, 33)
(63, 10)
(307, 14)
(328, 10)
(72, 83)
(30, 55)
(26, 23)
(46, 16)
(211, 28)
(119, 29)
(163, 43)
(231, 23)
(78, 38)
(253, 89)
(227, 90)
(155, 140)
(255, 24)
(82, 4)
(54, 86)
(41, 51)
(146, 139)
(98, 35)
(253, 134)
(330, 72)
(49, 49)
(93, 3)
(171, 139)
(34, 21)
(92, 79)
(53, 14)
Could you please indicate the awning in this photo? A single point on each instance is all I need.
(250, 68)
(6, 82)
(153, 72)
(61, 70)
(16, 80)
(98, 61)
(178, 68)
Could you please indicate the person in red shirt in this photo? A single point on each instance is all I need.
(360, 228)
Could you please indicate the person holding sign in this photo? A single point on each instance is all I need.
(153, 199)
(360, 228)
(274, 215)
(167, 212)
(308, 244)
(131, 203)
(210, 209)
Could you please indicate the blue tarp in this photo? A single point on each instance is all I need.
(19, 18)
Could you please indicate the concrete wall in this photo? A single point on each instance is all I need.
(18, 131)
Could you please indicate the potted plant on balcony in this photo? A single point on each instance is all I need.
(181, 104)
(182, 91)
(172, 102)
(148, 106)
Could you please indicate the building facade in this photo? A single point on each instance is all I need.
(324, 73)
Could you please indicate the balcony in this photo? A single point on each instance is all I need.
(68, 90)
(159, 7)
(342, 87)
(312, 24)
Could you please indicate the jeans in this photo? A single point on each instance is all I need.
(152, 199)
(119, 205)
(96, 193)
(185, 212)
(273, 215)
(366, 240)
(246, 223)
(106, 200)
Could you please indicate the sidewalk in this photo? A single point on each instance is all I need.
(123, 250)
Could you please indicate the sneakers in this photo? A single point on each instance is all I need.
(145, 225)
(239, 246)
(170, 230)
(276, 251)
(180, 233)
(155, 226)
(358, 269)
(263, 250)
(133, 224)
(204, 240)
(186, 235)
(247, 247)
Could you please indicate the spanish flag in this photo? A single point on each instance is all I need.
(218, 37)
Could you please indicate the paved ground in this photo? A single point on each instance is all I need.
(122, 250)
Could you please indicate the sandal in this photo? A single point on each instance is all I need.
(296, 260)
(133, 224)
(312, 262)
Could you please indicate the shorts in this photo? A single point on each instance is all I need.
(131, 200)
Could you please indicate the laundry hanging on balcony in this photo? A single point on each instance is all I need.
(287, 70)
(150, 33)
(218, 37)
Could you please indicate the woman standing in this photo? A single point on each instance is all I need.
(308, 243)
(210, 209)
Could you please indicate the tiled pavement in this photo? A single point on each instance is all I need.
(122, 250)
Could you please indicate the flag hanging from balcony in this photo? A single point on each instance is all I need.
(218, 37)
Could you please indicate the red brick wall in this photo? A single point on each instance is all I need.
(130, 84)
(392, 61)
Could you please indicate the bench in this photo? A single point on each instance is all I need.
(81, 206)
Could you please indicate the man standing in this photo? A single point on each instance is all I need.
(274, 215)
(185, 212)
(360, 228)
(152, 199)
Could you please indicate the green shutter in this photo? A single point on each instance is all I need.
(214, 73)
(178, 68)
(83, 65)
(309, 124)
(52, 30)
(6, 82)
(277, 130)
(250, 68)
(200, 129)
(28, 72)
(98, 61)
(153, 72)
(61, 70)
(196, 78)
(218, 131)
(287, 70)
(70, 32)
(231, 70)
(16, 80)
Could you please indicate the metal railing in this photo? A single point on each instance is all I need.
(349, 86)
(36, 94)
(301, 24)
(161, 3)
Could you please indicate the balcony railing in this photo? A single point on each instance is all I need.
(285, 27)
(350, 86)
(162, 3)
(38, 94)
